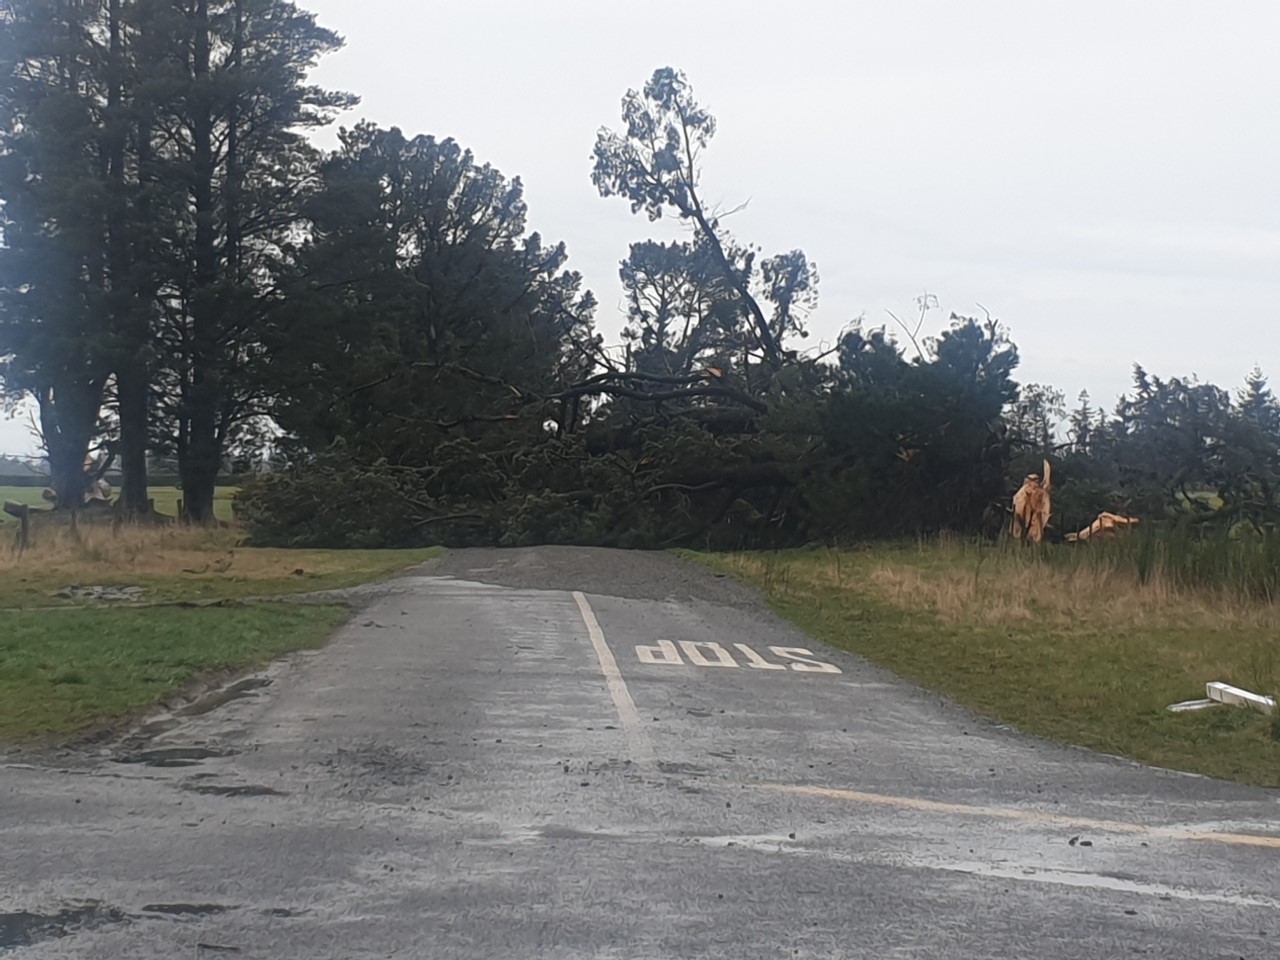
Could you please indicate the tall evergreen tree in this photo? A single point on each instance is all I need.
(228, 107)
(421, 309)
(61, 269)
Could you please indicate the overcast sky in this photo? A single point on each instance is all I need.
(1100, 176)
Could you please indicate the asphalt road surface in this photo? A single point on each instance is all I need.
(567, 753)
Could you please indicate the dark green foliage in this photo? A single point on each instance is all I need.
(925, 441)
(436, 355)
(1179, 451)
(230, 97)
(422, 311)
(152, 162)
(333, 503)
(175, 251)
(55, 183)
(835, 454)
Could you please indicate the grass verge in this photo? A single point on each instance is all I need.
(1077, 650)
(183, 564)
(67, 672)
(71, 671)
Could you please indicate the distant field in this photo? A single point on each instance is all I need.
(166, 500)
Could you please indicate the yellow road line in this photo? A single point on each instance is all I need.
(1023, 816)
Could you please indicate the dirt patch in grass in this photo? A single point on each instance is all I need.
(1067, 647)
(65, 672)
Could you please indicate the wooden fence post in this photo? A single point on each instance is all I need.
(23, 513)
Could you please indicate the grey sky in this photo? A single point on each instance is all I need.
(1101, 176)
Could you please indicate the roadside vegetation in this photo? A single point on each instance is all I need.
(183, 564)
(78, 672)
(71, 666)
(1085, 645)
(184, 274)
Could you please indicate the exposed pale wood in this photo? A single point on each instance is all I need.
(1032, 507)
(1105, 527)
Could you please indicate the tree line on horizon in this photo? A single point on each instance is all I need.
(183, 274)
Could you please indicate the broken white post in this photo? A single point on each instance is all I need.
(1225, 693)
(1191, 706)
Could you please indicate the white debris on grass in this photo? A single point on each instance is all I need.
(1225, 693)
(1190, 706)
(114, 594)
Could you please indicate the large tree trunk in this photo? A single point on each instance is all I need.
(131, 394)
(201, 453)
(199, 468)
(68, 420)
(128, 317)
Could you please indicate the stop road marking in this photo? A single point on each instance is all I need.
(704, 653)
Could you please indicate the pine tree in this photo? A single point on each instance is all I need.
(229, 108)
(58, 275)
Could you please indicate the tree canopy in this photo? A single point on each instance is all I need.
(183, 272)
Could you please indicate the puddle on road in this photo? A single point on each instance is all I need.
(24, 929)
(556, 832)
(283, 913)
(171, 756)
(682, 769)
(186, 909)
(235, 790)
(767, 842)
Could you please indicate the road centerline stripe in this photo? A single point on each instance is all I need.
(637, 739)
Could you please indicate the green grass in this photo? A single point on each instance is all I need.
(69, 671)
(75, 671)
(166, 499)
(1079, 649)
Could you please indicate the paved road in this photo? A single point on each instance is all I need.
(562, 753)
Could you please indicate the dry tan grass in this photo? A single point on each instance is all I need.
(1012, 590)
(155, 550)
(1061, 643)
(146, 551)
(1064, 598)
(176, 562)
